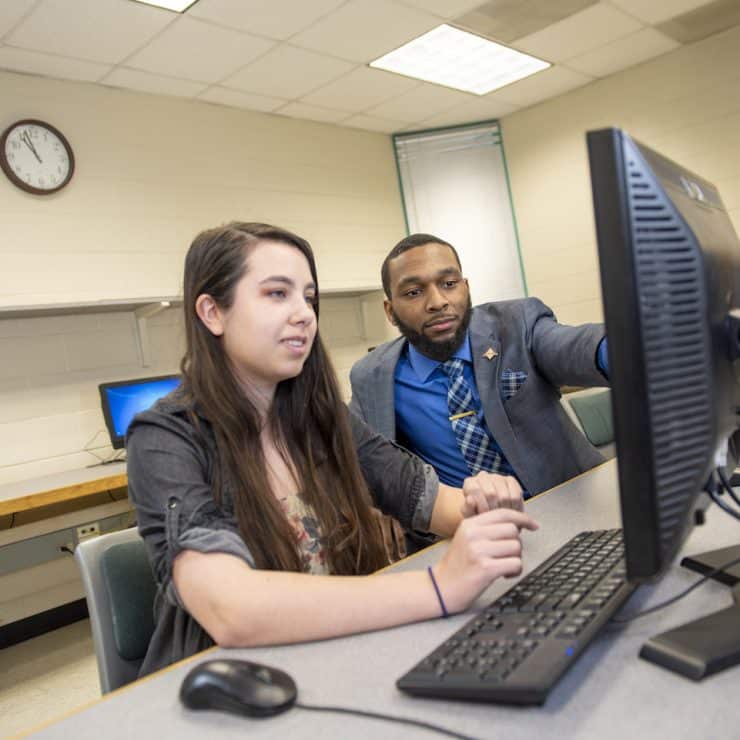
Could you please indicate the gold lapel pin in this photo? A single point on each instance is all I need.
(490, 353)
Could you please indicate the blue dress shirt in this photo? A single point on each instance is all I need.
(422, 415)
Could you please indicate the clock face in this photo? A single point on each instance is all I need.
(36, 157)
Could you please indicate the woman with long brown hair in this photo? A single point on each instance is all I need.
(254, 485)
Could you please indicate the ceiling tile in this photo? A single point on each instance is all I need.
(541, 86)
(408, 128)
(695, 25)
(371, 123)
(64, 27)
(578, 33)
(482, 109)
(197, 50)
(11, 11)
(421, 102)
(363, 30)
(312, 112)
(506, 20)
(623, 53)
(443, 8)
(657, 11)
(144, 81)
(288, 72)
(360, 89)
(236, 99)
(22, 60)
(278, 19)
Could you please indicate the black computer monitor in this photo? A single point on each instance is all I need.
(670, 278)
(123, 399)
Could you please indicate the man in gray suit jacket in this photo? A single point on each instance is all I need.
(514, 357)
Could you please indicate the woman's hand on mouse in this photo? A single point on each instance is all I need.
(484, 548)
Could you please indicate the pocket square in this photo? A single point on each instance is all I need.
(511, 382)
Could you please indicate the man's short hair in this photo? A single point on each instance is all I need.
(410, 242)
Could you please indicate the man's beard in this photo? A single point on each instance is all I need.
(440, 350)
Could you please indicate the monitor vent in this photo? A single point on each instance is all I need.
(670, 286)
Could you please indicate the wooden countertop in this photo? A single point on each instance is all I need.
(52, 489)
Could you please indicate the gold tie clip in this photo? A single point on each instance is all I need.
(460, 416)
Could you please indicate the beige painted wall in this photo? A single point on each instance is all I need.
(152, 172)
(686, 105)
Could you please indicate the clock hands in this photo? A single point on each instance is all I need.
(26, 139)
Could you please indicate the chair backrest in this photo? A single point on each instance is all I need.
(120, 591)
(591, 410)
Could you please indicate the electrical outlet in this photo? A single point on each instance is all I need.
(88, 531)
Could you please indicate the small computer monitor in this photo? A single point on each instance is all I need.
(670, 278)
(123, 399)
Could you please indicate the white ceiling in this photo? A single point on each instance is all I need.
(308, 58)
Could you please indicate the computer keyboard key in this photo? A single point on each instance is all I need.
(572, 599)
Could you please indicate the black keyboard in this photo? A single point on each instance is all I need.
(517, 648)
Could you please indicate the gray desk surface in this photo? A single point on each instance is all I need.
(608, 693)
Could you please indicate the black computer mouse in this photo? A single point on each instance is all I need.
(238, 686)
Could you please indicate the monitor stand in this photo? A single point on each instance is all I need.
(709, 644)
(706, 562)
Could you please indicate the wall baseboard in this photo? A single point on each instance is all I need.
(39, 624)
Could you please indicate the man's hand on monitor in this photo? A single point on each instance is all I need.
(488, 491)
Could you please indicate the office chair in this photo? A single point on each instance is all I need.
(120, 590)
(591, 410)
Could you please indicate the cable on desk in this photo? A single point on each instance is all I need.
(114, 456)
(86, 448)
(673, 599)
(727, 509)
(387, 717)
(728, 486)
(722, 505)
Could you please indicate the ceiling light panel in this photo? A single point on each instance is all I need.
(454, 58)
(178, 6)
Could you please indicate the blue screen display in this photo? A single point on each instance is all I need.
(125, 401)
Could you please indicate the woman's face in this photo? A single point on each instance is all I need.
(269, 329)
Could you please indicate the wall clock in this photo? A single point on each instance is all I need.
(36, 157)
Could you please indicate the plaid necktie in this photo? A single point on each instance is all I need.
(472, 436)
